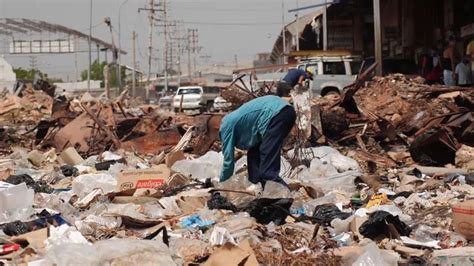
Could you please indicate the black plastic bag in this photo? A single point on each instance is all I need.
(269, 210)
(217, 201)
(378, 225)
(38, 186)
(16, 228)
(325, 213)
(68, 170)
(264, 210)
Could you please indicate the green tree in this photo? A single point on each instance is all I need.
(30, 75)
(97, 73)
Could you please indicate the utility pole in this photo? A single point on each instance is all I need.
(181, 46)
(166, 44)
(134, 59)
(120, 45)
(193, 47)
(151, 15)
(90, 50)
(188, 48)
(114, 52)
(236, 61)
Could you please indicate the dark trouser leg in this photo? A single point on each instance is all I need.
(272, 142)
(253, 164)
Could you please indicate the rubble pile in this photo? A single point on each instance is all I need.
(385, 178)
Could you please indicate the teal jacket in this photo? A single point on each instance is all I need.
(245, 127)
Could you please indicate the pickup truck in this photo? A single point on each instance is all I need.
(331, 73)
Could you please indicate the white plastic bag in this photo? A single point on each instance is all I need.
(84, 184)
(207, 166)
(64, 234)
(16, 202)
(373, 256)
(111, 252)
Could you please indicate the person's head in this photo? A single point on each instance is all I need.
(309, 74)
(465, 60)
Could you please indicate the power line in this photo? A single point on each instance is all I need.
(253, 24)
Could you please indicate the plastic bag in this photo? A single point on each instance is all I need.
(285, 166)
(373, 256)
(332, 197)
(16, 202)
(377, 225)
(275, 190)
(330, 156)
(64, 234)
(111, 252)
(269, 210)
(239, 182)
(424, 233)
(195, 221)
(326, 176)
(39, 186)
(84, 184)
(68, 170)
(327, 212)
(217, 201)
(220, 236)
(207, 166)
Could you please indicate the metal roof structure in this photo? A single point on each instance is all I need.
(19, 28)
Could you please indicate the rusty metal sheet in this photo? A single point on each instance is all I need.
(154, 142)
(82, 131)
(75, 134)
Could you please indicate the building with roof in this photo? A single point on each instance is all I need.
(380, 28)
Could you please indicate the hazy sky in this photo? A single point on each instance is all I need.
(226, 27)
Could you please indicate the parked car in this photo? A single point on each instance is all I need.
(331, 73)
(195, 98)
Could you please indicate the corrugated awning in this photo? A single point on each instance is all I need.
(292, 29)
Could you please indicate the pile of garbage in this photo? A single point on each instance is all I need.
(93, 181)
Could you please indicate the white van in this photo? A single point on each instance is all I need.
(195, 98)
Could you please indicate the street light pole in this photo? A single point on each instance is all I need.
(119, 74)
(90, 50)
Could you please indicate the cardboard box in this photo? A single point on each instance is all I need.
(143, 178)
(463, 219)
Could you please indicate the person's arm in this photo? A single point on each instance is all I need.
(228, 152)
(301, 79)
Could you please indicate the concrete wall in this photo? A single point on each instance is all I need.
(7, 76)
